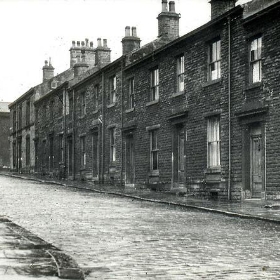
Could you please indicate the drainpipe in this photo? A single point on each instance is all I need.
(103, 129)
(229, 109)
(121, 123)
(74, 137)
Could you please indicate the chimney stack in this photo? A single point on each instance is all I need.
(219, 7)
(102, 53)
(48, 70)
(130, 42)
(168, 22)
(81, 66)
(76, 52)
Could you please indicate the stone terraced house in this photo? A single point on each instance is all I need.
(199, 112)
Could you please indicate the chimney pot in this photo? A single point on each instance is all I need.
(73, 44)
(98, 42)
(83, 43)
(105, 43)
(78, 44)
(91, 44)
(50, 61)
(134, 33)
(172, 6)
(127, 31)
(86, 42)
(164, 5)
(46, 63)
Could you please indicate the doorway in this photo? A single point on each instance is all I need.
(256, 161)
(129, 159)
(179, 162)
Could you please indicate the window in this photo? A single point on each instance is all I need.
(112, 89)
(154, 89)
(36, 115)
(51, 109)
(27, 112)
(131, 94)
(180, 73)
(14, 120)
(71, 106)
(60, 105)
(153, 150)
(95, 97)
(112, 145)
(61, 148)
(44, 113)
(83, 104)
(27, 150)
(256, 60)
(20, 116)
(83, 151)
(213, 142)
(214, 67)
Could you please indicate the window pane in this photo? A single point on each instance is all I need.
(256, 71)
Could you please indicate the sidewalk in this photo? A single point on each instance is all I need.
(24, 256)
(250, 209)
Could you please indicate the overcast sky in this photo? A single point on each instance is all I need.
(34, 30)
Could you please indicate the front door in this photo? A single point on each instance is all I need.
(256, 151)
(179, 157)
(129, 156)
(70, 148)
(95, 158)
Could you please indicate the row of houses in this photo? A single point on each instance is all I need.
(199, 112)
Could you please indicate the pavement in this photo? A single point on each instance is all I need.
(26, 256)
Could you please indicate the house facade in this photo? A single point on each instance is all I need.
(198, 112)
(5, 134)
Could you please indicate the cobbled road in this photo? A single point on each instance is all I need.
(120, 238)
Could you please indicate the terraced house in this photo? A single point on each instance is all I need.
(199, 112)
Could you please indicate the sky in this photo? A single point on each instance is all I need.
(33, 31)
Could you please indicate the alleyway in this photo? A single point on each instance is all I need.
(120, 238)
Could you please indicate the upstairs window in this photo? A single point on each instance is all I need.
(154, 85)
(83, 104)
(60, 105)
(213, 142)
(27, 113)
(51, 109)
(95, 97)
(112, 145)
(256, 60)
(180, 73)
(214, 61)
(131, 93)
(20, 116)
(14, 120)
(154, 150)
(71, 106)
(112, 89)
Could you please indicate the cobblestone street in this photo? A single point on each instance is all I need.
(120, 238)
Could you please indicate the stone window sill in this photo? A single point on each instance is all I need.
(253, 86)
(213, 82)
(129, 110)
(154, 173)
(177, 94)
(213, 170)
(152, 102)
(111, 105)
